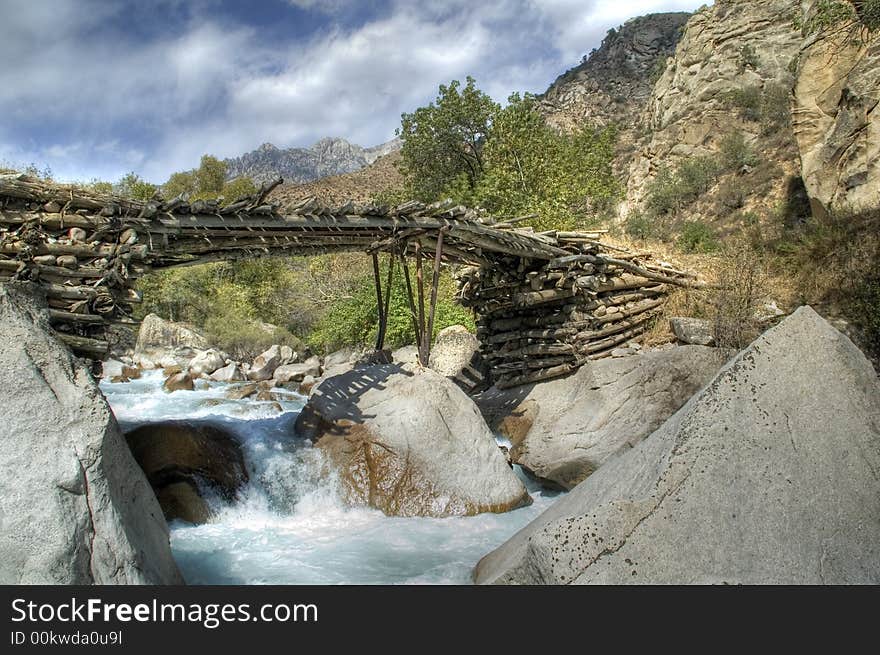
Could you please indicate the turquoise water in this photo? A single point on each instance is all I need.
(288, 525)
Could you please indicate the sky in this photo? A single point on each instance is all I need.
(98, 88)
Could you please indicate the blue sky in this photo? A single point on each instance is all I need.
(96, 88)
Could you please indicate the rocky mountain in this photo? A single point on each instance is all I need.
(329, 156)
(613, 84)
(727, 87)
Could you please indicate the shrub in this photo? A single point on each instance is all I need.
(740, 279)
(670, 191)
(243, 338)
(639, 226)
(748, 57)
(736, 153)
(732, 195)
(748, 101)
(697, 237)
(775, 109)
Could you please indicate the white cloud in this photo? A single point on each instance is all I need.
(208, 86)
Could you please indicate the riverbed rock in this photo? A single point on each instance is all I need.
(297, 372)
(265, 364)
(242, 391)
(306, 385)
(692, 331)
(206, 362)
(341, 357)
(183, 458)
(178, 382)
(74, 506)
(405, 355)
(456, 354)
(605, 408)
(766, 476)
(230, 373)
(409, 442)
(160, 341)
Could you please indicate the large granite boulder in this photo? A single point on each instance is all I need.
(205, 363)
(182, 459)
(455, 353)
(769, 475)
(563, 430)
(836, 120)
(409, 442)
(166, 342)
(265, 364)
(74, 506)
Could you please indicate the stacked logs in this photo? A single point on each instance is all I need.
(538, 320)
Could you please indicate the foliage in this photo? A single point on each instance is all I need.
(639, 226)
(671, 190)
(208, 181)
(532, 169)
(775, 109)
(853, 18)
(466, 147)
(741, 282)
(736, 153)
(748, 57)
(132, 186)
(697, 237)
(443, 142)
(354, 320)
(748, 100)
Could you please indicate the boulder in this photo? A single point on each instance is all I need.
(111, 368)
(406, 355)
(456, 354)
(341, 357)
(242, 391)
(230, 373)
(178, 382)
(205, 363)
(74, 506)
(573, 425)
(305, 387)
(181, 458)
(159, 336)
(297, 372)
(692, 331)
(265, 364)
(766, 476)
(410, 443)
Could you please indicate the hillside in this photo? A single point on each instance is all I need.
(328, 157)
(364, 185)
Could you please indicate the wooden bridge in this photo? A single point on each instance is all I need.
(545, 302)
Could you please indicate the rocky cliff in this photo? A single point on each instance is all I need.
(327, 157)
(613, 84)
(836, 120)
(730, 79)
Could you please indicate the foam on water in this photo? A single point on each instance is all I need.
(288, 525)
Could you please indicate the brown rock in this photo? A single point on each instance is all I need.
(240, 392)
(177, 457)
(178, 382)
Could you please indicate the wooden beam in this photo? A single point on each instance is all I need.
(409, 298)
(380, 309)
(420, 288)
(435, 281)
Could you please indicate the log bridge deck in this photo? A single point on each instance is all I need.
(545, 303)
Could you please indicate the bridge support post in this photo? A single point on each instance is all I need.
(435, 282)
(384, 309)
(420, 289)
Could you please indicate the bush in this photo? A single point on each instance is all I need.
(639, 226)
(243, 338)
(697, 237)
(740, 279)
(736, 153)
(748, 101)
(732, 195)
(670, 191)
(748, 57)
(775, 108)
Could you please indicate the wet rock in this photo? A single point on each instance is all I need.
(410, 443)
(230, 373)
(241, 392)
(206, 363)
(178, 382)
(74, 506)
(748, 483)
(181, 459)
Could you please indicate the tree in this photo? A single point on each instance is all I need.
(238, 188)
(210, 176)
(182, 183)
(443, 142)
(133, 186)
(532, 169)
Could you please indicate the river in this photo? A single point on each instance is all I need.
(288, 526)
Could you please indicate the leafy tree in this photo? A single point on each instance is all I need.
(210, 176)
(132, 186)
(532, 169)
(182, 183)
(238, 188)
(855, 19)
(443, 142)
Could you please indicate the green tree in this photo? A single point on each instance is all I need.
(182, 183)
(238, 188)
(133, 186)
(210, 176)
(532, 169)
(443, 142)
